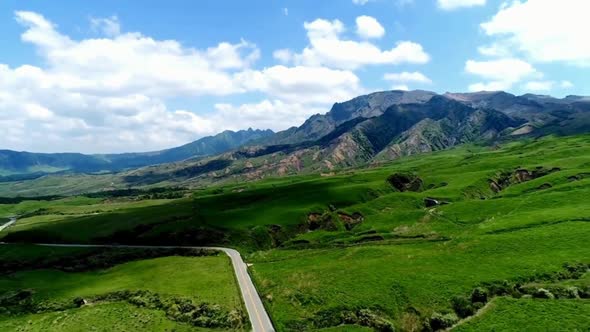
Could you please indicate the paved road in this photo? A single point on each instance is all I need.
(8, 224)
(258, 316)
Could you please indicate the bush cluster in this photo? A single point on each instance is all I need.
(178, 309)
(339, 315)
(152, 193)
(442, 321)
(465, 306)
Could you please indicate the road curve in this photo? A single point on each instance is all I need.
(258, 316)
(8, 224)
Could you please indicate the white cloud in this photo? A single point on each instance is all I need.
(495, 50)
(275, 114)
(566, 85)
(283, 55)
(301, 84)
(109, 94)
(327, 48)
(454, 4)
(501, 74)
(407, 77)
(133, 63)
(539, 85)
(360, 2)
(368, 27)
(544, 30)
(109, 26)
(286, 11)
(490, 86)
(401, 87)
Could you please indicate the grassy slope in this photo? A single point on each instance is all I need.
(508, 314)
(427, 255)
(203, 279)
(101, 317)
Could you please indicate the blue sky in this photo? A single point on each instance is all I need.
(113, 76)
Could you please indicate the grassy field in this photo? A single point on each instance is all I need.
(100, 317)
(352, 248)
(198, 279)
(508, 314)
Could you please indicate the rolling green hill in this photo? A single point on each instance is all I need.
(419, 243)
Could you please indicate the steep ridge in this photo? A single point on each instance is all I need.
(375, 128)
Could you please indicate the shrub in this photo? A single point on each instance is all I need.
(584, 292)
(78, 302)
(367, 318)
(479, 295)
(462, 306)
(542, 293)
(439, 321)
(562, 292)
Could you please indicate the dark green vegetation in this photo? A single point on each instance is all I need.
(57, 288)
(416, 244)
(366, 130)
(17, 166)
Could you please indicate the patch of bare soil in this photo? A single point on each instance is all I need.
(351, 221)
(406, 182)
(317, 221)
(506, 179)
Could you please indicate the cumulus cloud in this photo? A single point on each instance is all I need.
(368, 27)
(566, 84)
(273, 114)
(302, 84)
(539, 85)
(455, 4)
(401, 87)
(544, 30)
(110, 94)
(328, 48)
(283, 55)
(407, 77)
(500, 74)
(109, 26)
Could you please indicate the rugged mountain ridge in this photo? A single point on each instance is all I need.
(370, 129)
(19, 165)
(384, 126)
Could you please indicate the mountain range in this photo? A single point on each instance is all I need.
(369, 129)
(15, 164)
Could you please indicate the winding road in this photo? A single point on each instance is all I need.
(8, 224)
(258, 316)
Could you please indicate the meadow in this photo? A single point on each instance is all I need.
(400, 245)
(50, 296)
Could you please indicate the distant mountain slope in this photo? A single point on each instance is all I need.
(380, 127)
(370, 129)
(367, 106)
(18, 165)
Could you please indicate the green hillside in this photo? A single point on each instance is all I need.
(403, 245)
(111, 289)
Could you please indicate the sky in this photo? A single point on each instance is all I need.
(120, 76)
